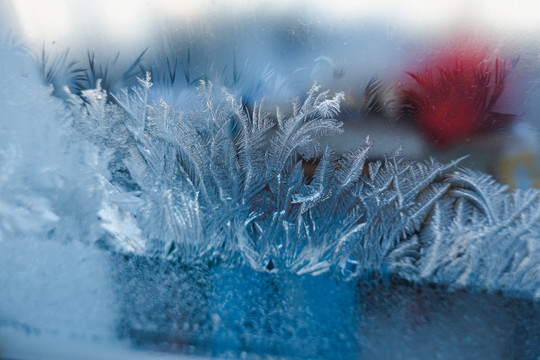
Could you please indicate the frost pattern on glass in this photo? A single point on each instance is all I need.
(482, 236)
(218, 181)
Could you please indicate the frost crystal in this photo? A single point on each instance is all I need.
(483, 237)
(208, 179)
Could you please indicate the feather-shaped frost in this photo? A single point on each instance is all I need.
(219, 181)
(483, 237)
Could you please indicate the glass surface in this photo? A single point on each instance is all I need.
(240, 179)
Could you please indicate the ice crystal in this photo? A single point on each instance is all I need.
(208, 179)
(482, 237)
(49, 175)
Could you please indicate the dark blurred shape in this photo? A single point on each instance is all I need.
(61, 72)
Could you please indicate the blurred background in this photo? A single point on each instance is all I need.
(441, 79)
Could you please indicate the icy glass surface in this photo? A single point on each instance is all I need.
(257, 181)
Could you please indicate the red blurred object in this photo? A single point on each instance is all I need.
(455, 96)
